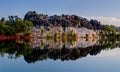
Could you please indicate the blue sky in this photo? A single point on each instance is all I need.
(85, 8)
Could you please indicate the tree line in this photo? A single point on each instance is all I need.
(14, 25)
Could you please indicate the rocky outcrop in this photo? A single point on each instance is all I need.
(37, 19)
(61, 21)
(96, 24)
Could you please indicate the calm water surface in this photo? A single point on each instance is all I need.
(49, 56)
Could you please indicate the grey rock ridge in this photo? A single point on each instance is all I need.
(58, 25)
(61, 21)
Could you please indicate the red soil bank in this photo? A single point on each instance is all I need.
(11, 37)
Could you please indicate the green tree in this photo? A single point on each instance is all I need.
(108, 28)
(14, 25)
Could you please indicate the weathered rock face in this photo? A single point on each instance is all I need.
(61, 21)
(59, 31)
(45, 31)
(84, 32)
(95, 24)
(37, 19)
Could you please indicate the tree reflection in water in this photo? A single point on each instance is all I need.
(43, 49)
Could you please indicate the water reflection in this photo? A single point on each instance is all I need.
(43, 49)
(58, 43)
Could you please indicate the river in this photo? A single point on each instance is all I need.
(42, 55)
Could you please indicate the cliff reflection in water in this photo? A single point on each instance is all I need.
(43, 49)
